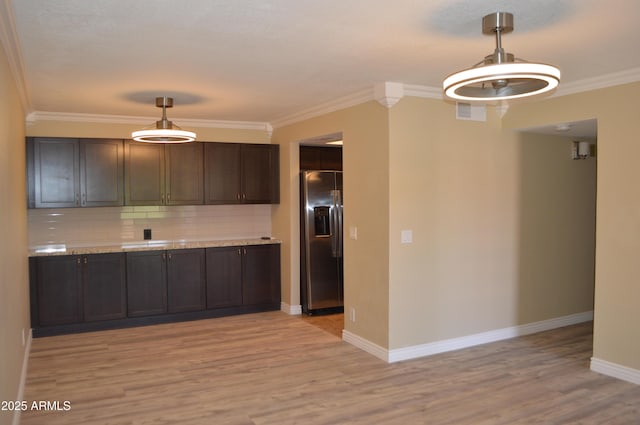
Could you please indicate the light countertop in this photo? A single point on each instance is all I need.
(150, 245)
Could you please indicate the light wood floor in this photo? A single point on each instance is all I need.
(271, 368)
(332, 323)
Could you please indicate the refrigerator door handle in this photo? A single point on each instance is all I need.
(333, 223)
(336, 223)
(338, 204)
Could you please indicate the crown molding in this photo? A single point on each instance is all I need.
(387, 94)
(426, 92)
(132, 120)
(11, 45)
(600, 82)
(343, 102)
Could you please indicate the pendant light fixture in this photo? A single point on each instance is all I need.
(165, 131)
(500, 76)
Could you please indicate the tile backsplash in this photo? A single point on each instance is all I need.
(81, 227)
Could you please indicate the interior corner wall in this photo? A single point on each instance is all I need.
(366, 207)
(617, 276)
(14, 283)
(491, 213)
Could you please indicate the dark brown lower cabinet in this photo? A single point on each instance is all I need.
(76, 293)
(261, 274)
(59, 291)
(243, 275)
(105, 286)
(165, 281)
(224, 277)
(146, 283)
(186, 280)
(79, 288)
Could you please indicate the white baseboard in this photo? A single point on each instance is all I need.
(23, 376)
(293, 310)
(365, 345)
(615, 370)
(422, 350)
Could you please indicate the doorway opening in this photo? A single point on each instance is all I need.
(321, 235)
(557, 221)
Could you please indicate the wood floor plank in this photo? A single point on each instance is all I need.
(271, 368)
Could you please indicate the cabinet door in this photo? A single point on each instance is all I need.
(222, 173)
(59, 290)
(224, 277)
(144, 173)
(101, 173)
(186, 279)
(256, 173)
(104, 286)
(146, 283)
(320, 158)
(184, 170)
(261, 274)
(56, 173)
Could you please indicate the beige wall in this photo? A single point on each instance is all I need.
(502, 222)
(366, 206)
(503, 226)
(617, 287)
(14, 284)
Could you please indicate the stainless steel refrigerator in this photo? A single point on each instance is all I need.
(321, 270)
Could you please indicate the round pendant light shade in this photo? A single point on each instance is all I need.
(165, 131)
(500, 76)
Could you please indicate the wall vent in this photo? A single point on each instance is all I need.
(469, 112)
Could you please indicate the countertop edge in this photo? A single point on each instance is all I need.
(146, 246)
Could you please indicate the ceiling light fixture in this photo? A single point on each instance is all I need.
(500, 76)
(165, 131)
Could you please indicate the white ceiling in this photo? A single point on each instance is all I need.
(263, 60)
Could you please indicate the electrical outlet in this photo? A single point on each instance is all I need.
(352, 314)
(353, 232)
(147, 234)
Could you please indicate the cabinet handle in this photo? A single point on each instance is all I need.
(239, 251)
(244, 251)
(168, 197)
(164, 256)
(238, 196)
(77, 199)
(78, 261)
(169, 256)
(85, 260)
(84, 199)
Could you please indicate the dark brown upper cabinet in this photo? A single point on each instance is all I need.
(144, 173)
(184, 171)
(320, 158)
(69, 172)
(65, 172)
(238, 173)
(158, 174)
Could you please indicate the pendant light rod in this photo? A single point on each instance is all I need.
(497, 24)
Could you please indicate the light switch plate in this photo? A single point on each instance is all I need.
(406, 236)
(353, 232)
